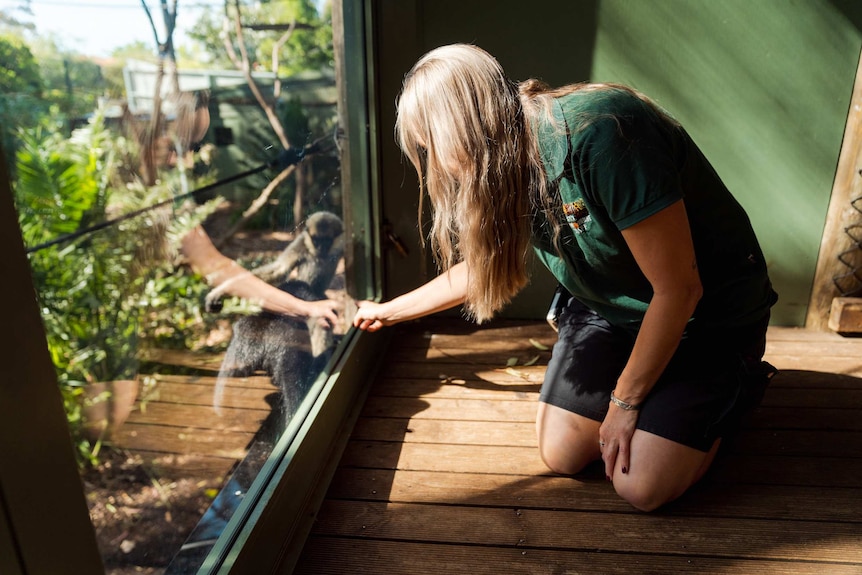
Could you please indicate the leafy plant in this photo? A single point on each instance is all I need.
(96, 292)
(20, 91)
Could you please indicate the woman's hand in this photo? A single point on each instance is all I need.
(615, 438)
(371, 316)
(326, 310)
(443, 292)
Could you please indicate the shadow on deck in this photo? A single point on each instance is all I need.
(442, 474)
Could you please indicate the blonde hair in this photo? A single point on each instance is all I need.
(461, 125)
(464, 126)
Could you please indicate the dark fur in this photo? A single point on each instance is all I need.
(278, 346)
(292, 351)
(312, 257)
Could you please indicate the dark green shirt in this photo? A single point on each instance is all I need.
(615, 161)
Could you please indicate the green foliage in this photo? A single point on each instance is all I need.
(21, 87)
(83, 287)
(19, 71)
(206, 34)
(107, 294)
(72, 83)
(42, 84)
(309, 48)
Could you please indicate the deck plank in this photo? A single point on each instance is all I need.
(169, 439)
(338, 556)
(442, 474)
(622, 532)
(591, 494)
(176, 432)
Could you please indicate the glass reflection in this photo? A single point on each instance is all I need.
(185, 235)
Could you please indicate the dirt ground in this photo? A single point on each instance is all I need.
(140, 522)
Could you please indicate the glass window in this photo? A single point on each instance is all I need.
(182, 204)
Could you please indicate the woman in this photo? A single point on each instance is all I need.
(660, 344)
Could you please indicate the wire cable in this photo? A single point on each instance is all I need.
(285, 159)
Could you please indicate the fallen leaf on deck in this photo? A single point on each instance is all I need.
(539, 345)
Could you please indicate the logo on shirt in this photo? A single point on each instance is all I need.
(577, 216)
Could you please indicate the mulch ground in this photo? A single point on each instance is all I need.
(140, 521)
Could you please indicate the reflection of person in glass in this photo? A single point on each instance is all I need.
(660, 344)
(220, 271)
(292, 352)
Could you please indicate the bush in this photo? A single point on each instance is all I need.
(104, 295)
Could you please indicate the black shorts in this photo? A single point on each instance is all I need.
(710, 382)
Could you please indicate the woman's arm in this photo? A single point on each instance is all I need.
(443, 292)
(662, 247)
(220, 270)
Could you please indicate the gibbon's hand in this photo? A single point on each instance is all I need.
(371, 316)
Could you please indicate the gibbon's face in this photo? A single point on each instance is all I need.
(322, 231)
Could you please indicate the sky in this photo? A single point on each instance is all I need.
(96, 27)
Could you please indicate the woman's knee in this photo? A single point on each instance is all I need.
(567, 442)
(660, 471)
(646, 494)
(563, 458)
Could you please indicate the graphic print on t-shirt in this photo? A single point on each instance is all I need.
(577, 215)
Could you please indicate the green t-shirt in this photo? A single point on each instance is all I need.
(615, 162)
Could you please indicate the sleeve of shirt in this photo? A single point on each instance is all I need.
(626, 164)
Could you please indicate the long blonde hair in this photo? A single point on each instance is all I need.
(461, 125)
(465, 128)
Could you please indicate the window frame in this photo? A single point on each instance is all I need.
(41, 494)
(270, 528)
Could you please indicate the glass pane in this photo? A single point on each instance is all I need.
(185, 228)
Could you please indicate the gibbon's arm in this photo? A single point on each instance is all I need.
(225, 274)
(443, 292)
(285, 262)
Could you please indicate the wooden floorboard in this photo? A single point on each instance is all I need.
(442, 475)
(174, 428)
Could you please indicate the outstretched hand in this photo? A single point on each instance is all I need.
(326, 310)
(371, 316)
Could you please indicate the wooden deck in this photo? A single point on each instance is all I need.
(174, 428)
(442, 474)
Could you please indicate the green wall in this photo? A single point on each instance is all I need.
(763, 86)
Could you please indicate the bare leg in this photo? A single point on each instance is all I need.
(568, 442)
(660, 469)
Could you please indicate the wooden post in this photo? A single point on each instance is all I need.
(846, 315)
(847, 185)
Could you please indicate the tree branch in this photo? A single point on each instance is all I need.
(245, 66)
(256, 205)
(276, 48)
